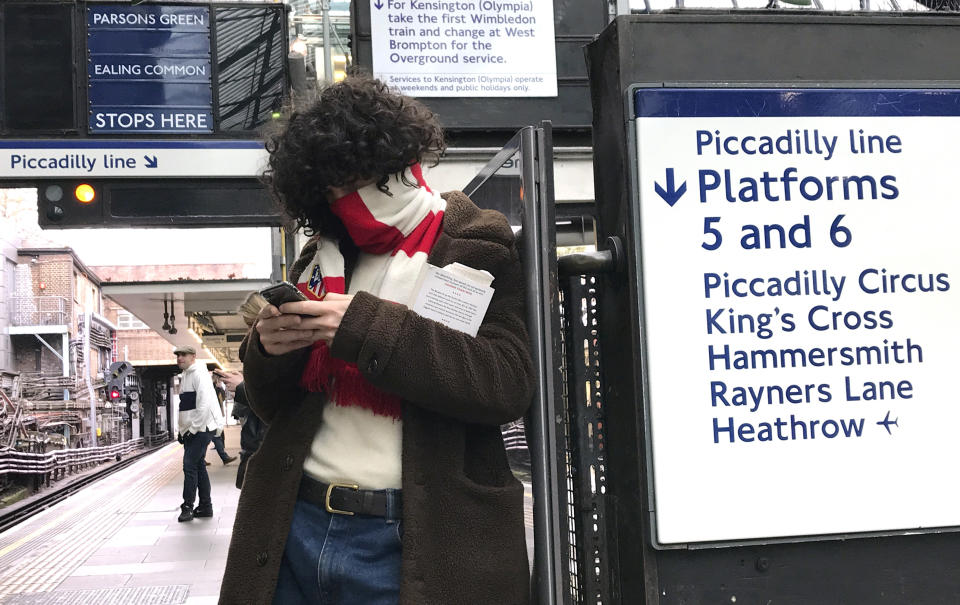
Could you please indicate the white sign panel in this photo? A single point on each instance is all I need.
(465, 48)
(92, 158)
(801, 281)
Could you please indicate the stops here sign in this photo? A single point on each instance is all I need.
(800, 265)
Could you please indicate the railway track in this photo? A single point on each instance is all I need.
(15, 514)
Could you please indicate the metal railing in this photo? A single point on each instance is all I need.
(38, 310)
(67, 461)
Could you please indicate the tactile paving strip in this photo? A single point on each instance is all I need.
(39, 561)
(145, 595)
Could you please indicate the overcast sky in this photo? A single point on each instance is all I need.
(172, 246)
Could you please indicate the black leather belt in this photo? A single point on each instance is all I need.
(348, 499)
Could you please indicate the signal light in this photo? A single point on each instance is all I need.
(85, 193)
(54, 193)
(70, 203)
(114, 394)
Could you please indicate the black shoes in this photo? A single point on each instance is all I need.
(203, 511)
(229, 459)
(186, 513)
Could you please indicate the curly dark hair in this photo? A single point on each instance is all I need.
(358, 129)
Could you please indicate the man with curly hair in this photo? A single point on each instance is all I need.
(382, 477)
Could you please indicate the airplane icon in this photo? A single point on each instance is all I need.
(886, 422)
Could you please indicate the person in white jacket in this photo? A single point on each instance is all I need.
(200, 418)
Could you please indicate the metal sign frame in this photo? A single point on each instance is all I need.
(246, 39)
(78, 24)
(537, 246)
(703, 49)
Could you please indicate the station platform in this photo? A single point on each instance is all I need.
(118, 541)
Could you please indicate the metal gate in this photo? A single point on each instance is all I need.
(565, 426)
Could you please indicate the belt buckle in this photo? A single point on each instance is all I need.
(326, 500)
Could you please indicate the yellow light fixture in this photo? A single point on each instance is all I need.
(85, 193)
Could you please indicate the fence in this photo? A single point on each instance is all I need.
(584, 516)
(63, 462)
(38, 310)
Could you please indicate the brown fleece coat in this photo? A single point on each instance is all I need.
(463, 538)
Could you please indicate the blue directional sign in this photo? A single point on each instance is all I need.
(109, 66)
(149, 69)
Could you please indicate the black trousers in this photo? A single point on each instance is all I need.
(195, 468)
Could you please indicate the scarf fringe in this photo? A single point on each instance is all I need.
(345, 384)
(318, 372)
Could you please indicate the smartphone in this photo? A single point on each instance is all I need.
(284, 292)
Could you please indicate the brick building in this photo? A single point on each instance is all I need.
(60, 329)
(53, 295)
(137, 342)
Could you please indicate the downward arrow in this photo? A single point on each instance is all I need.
(151, 161)
(670, 195)
(378, 4)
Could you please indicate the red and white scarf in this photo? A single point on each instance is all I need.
(395, 233)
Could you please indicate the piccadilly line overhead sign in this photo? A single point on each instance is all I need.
(799, 256)
(149, 69)
(92, 158)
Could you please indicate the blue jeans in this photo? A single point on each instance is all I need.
(221, 450)
(333, 559)
(195, 469)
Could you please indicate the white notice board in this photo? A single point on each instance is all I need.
(465, 48)
(800, 264)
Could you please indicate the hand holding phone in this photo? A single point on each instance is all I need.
(279, 332)
(284, 292)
